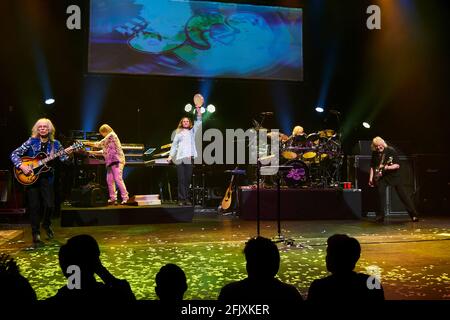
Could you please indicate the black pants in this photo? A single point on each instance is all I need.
(41, 201)
(406, 200)
(184, 174)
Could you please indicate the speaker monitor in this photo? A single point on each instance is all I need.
(11, 194)
(5, 185)
(358, 168)
(433, 181)
(91, 195)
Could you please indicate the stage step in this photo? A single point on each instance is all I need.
(146, 200)
(124, 215)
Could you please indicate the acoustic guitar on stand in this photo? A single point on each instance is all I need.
(38, 164)
(228, 198)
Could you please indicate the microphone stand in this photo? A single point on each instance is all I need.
(258, 207)
(258, 176)
(340, 158)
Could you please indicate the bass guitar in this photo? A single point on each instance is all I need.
(38, 164)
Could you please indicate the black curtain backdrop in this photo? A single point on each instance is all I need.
(35, 35)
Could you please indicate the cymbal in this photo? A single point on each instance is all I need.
(281, 136)
(327, 133)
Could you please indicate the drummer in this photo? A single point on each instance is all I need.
(297, 137)
(298, 131)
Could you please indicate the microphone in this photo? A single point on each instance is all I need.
(267, 113)
(335, 112)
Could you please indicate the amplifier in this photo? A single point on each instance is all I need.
(358, 168)
(90, 195)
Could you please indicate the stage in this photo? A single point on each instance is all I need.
(300, 203)
(124, 215)
(296, 204)
(413, 257)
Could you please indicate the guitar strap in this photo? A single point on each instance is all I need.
(52, 151)
(382, 160)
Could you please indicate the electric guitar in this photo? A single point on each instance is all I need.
(380, 170)
(38, 164)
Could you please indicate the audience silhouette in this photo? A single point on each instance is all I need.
(171, 283)
(344, 284)
(261, 285)
(13, 286)
(83, 251)
(263, 262)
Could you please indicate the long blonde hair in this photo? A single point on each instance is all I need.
(298, 130)
(105, 128)
(51, 129)
(180, 124)
(376, 141)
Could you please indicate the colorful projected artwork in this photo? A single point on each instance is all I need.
(195, 39)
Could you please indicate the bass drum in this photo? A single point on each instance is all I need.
(298, 175)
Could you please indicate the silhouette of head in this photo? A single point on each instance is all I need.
(342, 253)
(81, 250)
(263, 258)
(13, 286)
(170, 283)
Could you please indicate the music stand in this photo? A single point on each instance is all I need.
(149, 151)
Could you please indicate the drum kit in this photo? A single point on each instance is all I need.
(316, 158)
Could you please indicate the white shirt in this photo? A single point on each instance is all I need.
(183, 144)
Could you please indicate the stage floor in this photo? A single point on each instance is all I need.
(413, 258)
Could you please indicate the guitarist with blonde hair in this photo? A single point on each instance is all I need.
(40, 194)
(384, 171)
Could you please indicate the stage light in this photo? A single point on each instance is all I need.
(319, 109)
(211, 108)
(188, 107)
(49, 101)
(202, 109)
(366, 125)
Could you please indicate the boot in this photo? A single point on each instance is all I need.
(36, 240)
(49, 231)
